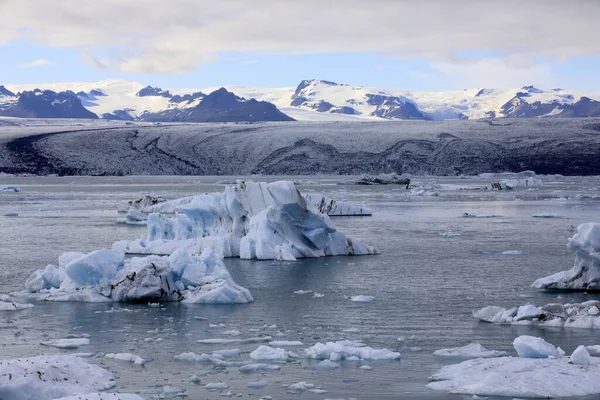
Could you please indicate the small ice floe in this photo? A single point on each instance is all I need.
(232, 332)
(336, 208)
(258, 367)
(216, 387)
(103, 396)
(132, 358)
(168, 389)
(258, 384)
(230, 341)
(11, 214)
(478, 214)
(14, 189)
(300, 387)
(267, 353)
(74, 343)
(302, 291)
(52, 377)
(317, 295)
(546, 215)
(472, 350)
(344, 349)
(285, 343)
(326, 365)
(362, 299)
(503, 253)
(134, 217)
(11, 306)
(548, 375)
(585, 274)
(593, 350)
(449, 235)
(351, 330)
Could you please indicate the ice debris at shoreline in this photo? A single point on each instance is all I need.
(577, 315)
(250, 220)
(51, 377)
(472, 350)
(548, 374)
(585, 274)
(105, 275)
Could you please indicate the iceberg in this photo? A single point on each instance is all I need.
(268, 353)
(585, 274)
(73, 343)
(132, 358)
(105, 275)
(472, 350)
(14, 189)
(250, 220)
(576, 315)
(328, 206)
(12, 306)
(534, 347)
(103, 396)
(51, 377)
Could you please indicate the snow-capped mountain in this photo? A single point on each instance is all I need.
(311, 100)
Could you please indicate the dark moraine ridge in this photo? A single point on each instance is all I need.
(546, 146)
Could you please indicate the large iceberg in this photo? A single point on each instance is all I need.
(105, 275)
(51, 377)
(575, 315)
(251, 220)
(536, 375)
(585, 274)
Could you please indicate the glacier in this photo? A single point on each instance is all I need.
(250, 220)
(585, 274)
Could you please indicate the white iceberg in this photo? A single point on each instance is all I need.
(134, 217)
(268, 353)
(331, 207)
(521, 182)
(12, 306)
(105, 275)
(344, 349)
(51, 377)
(251, 220)
(581, 357)
(103, 396)
(576, 315)
(9, 189)
(258, 367)
(362, 298)
(258, 384)
(472, 350)
(585, 274)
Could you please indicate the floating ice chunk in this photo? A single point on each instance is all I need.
(580, 356)
(299, 387)
(219, 386)
(344, 349)
(74, 343)
(512, 252)
(317, 295)
(477, 214)
(449, 235)
(11, 214)
(271, 354)
(326, 365)
(534, 347)
(145, 203)
(546, 215)
(328, 206)
(218, 341)
(362, 299)
(258, 384)
(472, 350)
(518, 377)
(10, 306)
(258, 367)
(168, 389)
(220, 291)
(521, 182)
(51, 377)
(302, 291)
(49, 277)
(585, 274)
(366, 367)
(285, 343)
(576, 315)
(9, 189)
(132, 358)
(103, 396)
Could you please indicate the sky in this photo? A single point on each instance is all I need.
(429, 45)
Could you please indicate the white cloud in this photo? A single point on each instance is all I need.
(156, 36)
(40, 62)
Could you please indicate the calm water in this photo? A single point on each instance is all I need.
(425, 285)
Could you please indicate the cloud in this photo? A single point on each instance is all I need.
(40, 62)
(156, 36)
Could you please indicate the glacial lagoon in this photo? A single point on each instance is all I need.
(434, 268)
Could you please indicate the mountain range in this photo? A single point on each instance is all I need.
(313, 100)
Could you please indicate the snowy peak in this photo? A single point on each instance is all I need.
(47, 104)
(153, 91)
(4, 92)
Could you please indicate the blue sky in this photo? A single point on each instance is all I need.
(427, 50)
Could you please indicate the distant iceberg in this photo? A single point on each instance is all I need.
(585, 274)
(250, 220)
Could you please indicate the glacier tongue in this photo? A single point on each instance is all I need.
(251, 220)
